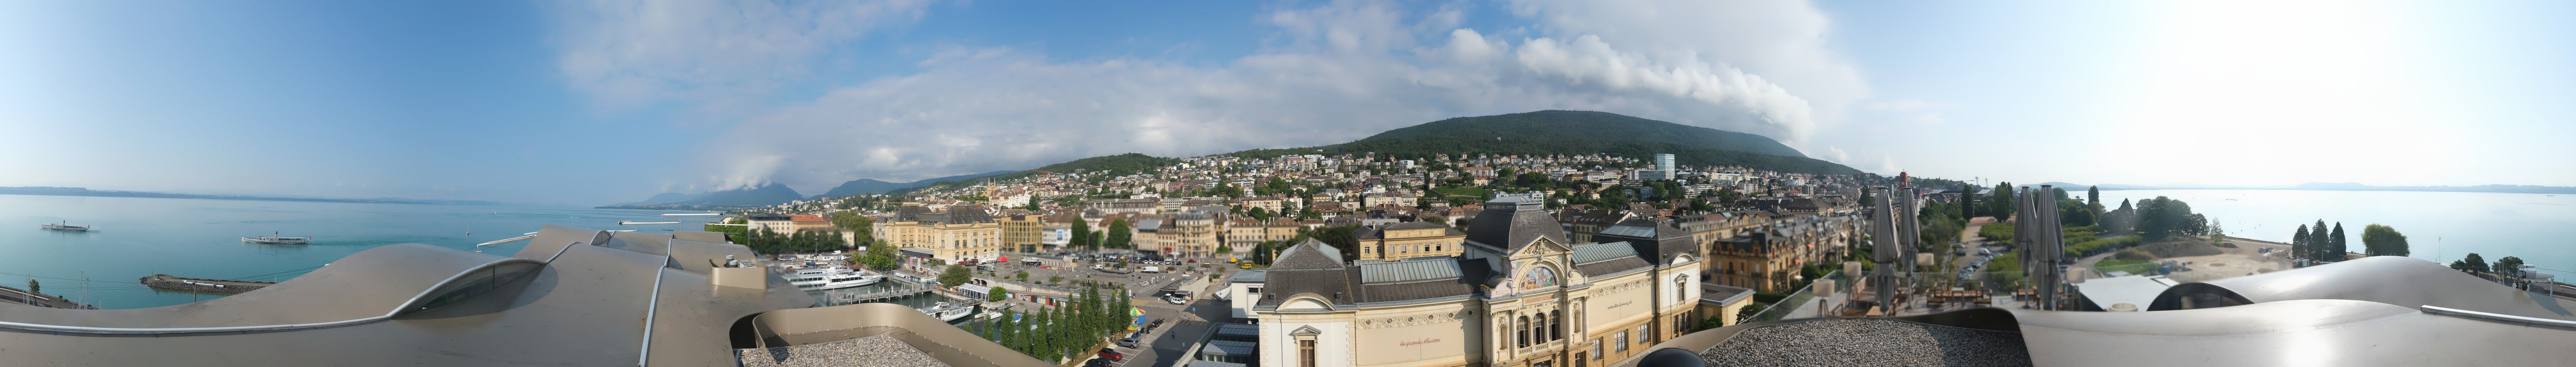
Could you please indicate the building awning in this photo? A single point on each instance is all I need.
(975, 288)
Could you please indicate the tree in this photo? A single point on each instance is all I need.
(2299, 243)
(880, 256)
(34, 287)
(850, 220)
(2509, 265)
(2074, 213)
(1081, 235)
(2318, 239)
(2470, 263)
(2162, 217)
(955, 275)
(2335, 239)
(1119, 234)
(999, 294)
(2381, 240)
(2093, 195)
(2001, 205)
(1967, 201)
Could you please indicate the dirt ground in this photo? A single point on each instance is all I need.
(2247, 258)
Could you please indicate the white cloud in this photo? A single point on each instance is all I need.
(1328, 74)
(633, 53)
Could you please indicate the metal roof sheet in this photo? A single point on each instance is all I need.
(1408, 271)
(1593, 253)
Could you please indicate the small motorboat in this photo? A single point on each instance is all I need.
(949, 313)
(64, 226)
(277, 239)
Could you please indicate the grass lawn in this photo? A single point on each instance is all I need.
(2131, 266)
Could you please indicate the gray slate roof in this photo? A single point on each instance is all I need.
(1511, 221)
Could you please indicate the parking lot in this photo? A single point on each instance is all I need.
(1183, 324)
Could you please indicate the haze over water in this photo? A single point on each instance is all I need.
(201, 238)
(2439, 226)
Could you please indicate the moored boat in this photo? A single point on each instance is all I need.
(946, 312)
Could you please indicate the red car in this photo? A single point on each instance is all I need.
(1112, 354)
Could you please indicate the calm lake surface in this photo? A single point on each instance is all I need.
(2440, 226)
(201, 238)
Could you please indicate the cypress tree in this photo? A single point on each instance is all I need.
(2317, 240)
(2337, 238)
(2299, 243)
(1968, 202)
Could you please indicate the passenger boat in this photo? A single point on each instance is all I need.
(845, 278)
(946, 312)
(64, 226)
(276, 239)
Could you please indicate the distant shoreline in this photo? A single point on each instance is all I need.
(2560, 190)
(75, 191)
(2340, 186)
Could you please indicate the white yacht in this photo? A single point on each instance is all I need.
(64, 226)
(845, 278)
(810, 278)
(276, 239)
(950, 313)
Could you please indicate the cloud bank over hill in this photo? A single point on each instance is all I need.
(1325, 73)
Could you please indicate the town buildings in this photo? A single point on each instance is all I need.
(1409, 240)
(958, 233)
(1519, 294)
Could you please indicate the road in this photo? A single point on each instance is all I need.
(1189, 324)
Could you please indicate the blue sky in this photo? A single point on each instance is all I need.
(588, 103)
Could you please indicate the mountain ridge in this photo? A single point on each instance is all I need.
(873, 186)
(1576, 132)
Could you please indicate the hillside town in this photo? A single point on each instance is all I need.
(1226, 208)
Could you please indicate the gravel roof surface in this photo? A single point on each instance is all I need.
(874, 351)
(1868, 342)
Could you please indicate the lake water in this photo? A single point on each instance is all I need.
(2440, 226)
(137, 237)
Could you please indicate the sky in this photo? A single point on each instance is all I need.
(598, 102)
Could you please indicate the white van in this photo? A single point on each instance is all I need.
(1153, 269)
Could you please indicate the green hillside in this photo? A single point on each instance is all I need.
(1577, 132)
(1122, 164)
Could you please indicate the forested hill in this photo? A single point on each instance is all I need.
(1577, 132)
(1122, 164)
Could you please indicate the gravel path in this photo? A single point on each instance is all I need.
(881, 350)
(1868, 342)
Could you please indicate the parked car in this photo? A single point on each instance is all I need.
(1112, 354)
(1098, 362)
(1130, 342)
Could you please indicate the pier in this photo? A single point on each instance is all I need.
(19, 296)
(166, 282)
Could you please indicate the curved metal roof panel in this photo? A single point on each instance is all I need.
(2308, 332)
(367, 285)
(2394, 280)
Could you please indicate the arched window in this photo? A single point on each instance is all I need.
(1555, 325)
(1680, 287)
(1524, 331)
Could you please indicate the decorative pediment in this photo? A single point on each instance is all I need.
(1308, 330)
